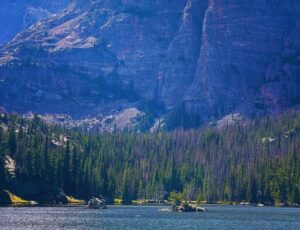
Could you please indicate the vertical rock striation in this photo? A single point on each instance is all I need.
(240, 40)
(176, 73)
(215, 57)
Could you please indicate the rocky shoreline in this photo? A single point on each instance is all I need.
(59, 198)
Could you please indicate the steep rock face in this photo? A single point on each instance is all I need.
(16, 16)
(215, 57)
(177, 71)
(242, 44)
(281, 88)
(94, 44)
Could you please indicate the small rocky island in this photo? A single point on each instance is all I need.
(97, 203)
(187, 207)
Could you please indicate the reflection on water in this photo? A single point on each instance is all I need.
(148, 217)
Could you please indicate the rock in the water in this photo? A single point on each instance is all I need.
(96, 203)
(33, 202)
(187, 207)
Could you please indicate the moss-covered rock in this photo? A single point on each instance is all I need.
(16, 199)
(72, 200)
(6, 197)
(38, 190)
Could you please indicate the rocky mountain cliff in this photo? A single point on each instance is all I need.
(18, 15)
(249, 59)
(208, 58)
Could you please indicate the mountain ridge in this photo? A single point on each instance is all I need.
(208, 58)
(20, 15)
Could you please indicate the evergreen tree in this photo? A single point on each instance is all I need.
(66, 169)
(257, 162)
(12, 141)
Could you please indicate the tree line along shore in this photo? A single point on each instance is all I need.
(253, 162)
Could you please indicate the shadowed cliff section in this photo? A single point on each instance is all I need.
(206, 58)
(120, 44)
(242, 45)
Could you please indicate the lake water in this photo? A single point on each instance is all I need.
(148, 217)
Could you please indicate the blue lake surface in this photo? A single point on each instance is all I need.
(148, 217)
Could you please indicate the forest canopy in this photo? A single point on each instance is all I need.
(256, 162)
